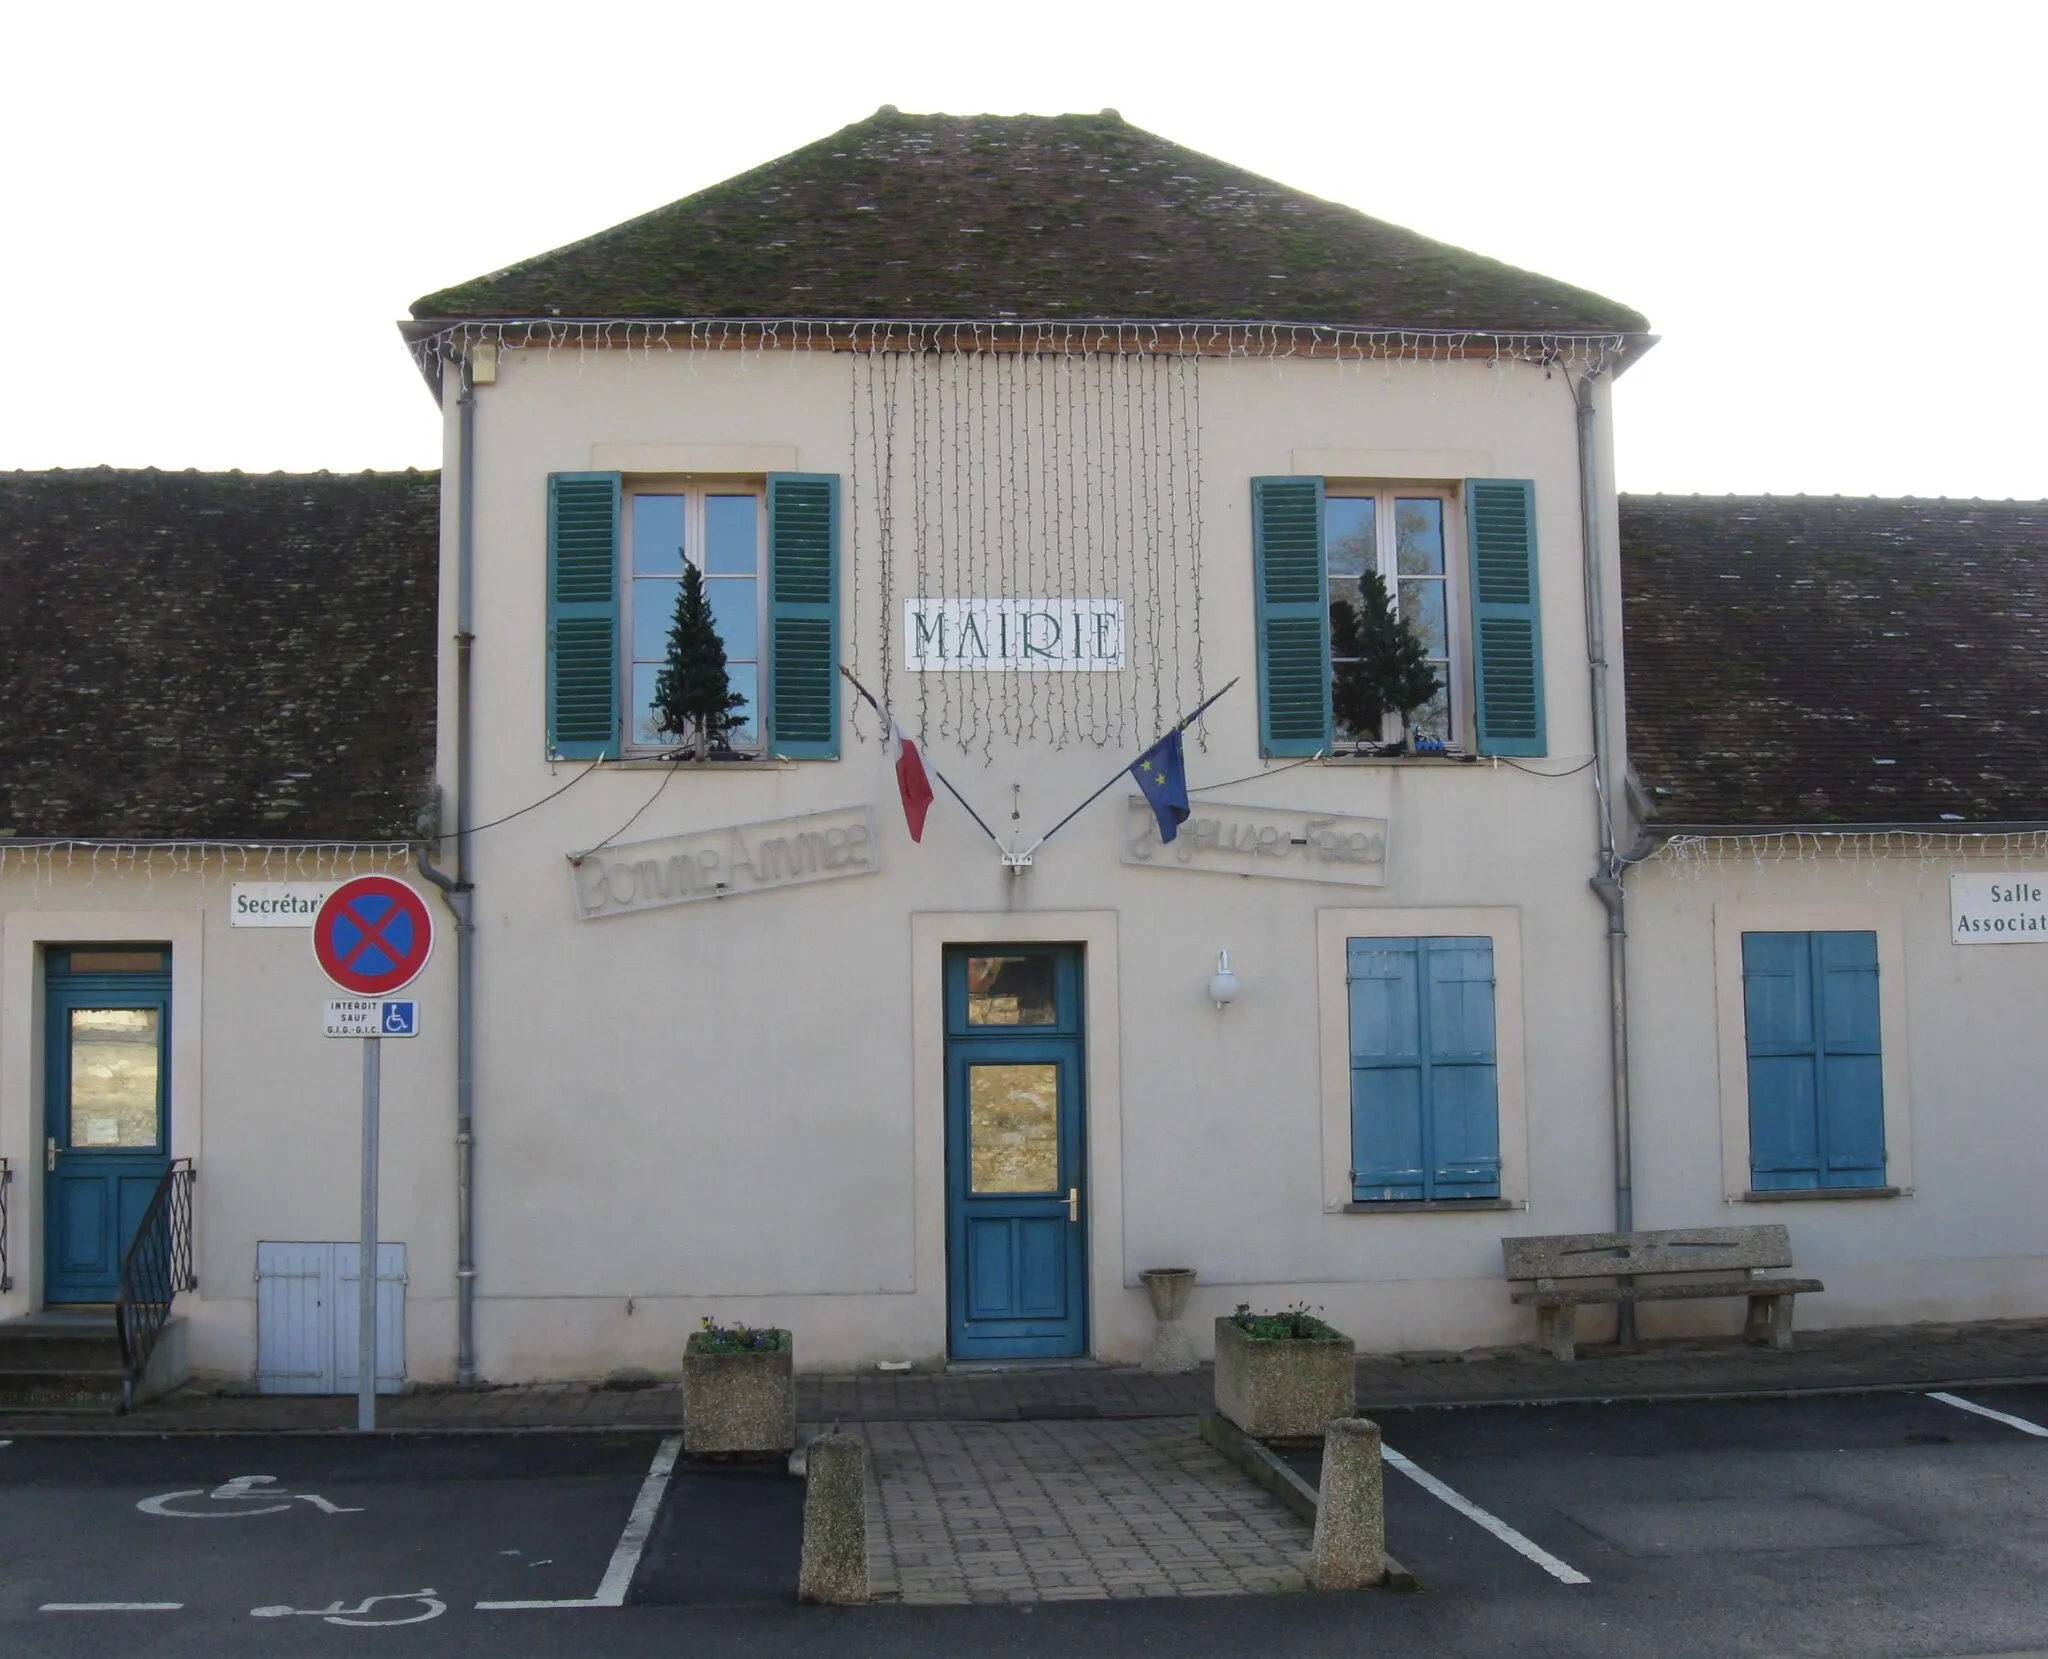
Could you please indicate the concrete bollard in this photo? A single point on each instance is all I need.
(835, 1563)
(1350, 1550)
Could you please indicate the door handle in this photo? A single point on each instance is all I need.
(50, 1155)
(1073, 1201)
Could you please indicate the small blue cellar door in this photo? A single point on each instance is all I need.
(1016, 1175)
(107, 1109)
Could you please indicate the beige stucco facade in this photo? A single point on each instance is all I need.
(265, 1106)
(735, 1108)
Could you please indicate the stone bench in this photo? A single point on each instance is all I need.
(1660, 1257)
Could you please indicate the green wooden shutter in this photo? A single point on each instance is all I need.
(1507, 634)
(1293, 615)
(583, 614)
(803, 615)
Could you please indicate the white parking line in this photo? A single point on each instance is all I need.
(618, 1574)
(2019, 1423)
(1493, 1523)
(111, 1606)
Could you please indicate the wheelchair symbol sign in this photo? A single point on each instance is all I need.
(400, 1019)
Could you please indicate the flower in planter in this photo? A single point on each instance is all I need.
(711, 1338)
(1293, 1324)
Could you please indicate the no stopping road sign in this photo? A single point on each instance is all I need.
(372, 935)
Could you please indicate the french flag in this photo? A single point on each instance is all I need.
(911, 783)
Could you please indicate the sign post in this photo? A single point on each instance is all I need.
(371, 936)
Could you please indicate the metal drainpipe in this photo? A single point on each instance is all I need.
(460, 891)
(1606, 884)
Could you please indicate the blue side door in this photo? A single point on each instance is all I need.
(1016, 1170)
(107, 1110)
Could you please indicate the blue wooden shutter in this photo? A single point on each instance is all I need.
(1852, 1081)
(1507, 633)
(1388, 1085)
(1293, 615)
(1816, 1093)
(1425, 1101)
(803, 615)
(1464, 1099)
(583, 614)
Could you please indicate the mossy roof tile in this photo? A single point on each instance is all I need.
(217, 655)
(953, 217)
(1837, 660)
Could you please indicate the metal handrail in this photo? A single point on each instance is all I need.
(6, 1181)
(157, 1266)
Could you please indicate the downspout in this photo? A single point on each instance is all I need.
(459, 891)
(1612, 865)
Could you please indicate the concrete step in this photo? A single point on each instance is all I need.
(60, 1341)
(96, 1391)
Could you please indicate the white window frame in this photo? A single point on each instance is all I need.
(1731, 1019)
(1457, 623)
(1335, 929)
(693, 491)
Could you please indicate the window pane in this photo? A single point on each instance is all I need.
(654, 608)
(1433, 718)
(1422, 608)
(745, 678)
(1419, 536)
(644, 734)
(658, 535)
(1349, 540)
(113, 1076)
(1013, 1115)
(731, 542)
(734, 614)
(1012, 990)
(116, 961)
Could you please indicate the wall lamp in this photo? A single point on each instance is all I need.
(1223, 983)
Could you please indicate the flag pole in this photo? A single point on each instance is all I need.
(869, 697)
(1185, 722)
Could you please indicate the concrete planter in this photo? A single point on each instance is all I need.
(1282, 1388)
(743, 1402)
(1168, 1288)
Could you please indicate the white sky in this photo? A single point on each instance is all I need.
(1832, 213)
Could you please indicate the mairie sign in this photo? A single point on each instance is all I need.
(1049, 636)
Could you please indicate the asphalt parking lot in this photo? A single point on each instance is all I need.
(1883, 1525)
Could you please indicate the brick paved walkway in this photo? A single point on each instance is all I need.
(1068, 1511)
(1910, 1356)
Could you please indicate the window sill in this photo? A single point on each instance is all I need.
(1826, 1195)
(1410, 1206)
(1401, 760)
(655, 763)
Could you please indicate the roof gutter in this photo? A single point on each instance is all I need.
(1945, 826)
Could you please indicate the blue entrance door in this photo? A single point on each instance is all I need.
(107, 1118)
(1016, 1170)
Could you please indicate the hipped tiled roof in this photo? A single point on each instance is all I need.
(203, 655)
(1820, 660)
(958, 217)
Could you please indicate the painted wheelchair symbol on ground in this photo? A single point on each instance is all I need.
(340, 1613)
(244, 1495)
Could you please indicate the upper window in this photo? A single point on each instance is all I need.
(1400, 536)
(769, 556)
(722, 531)
(1816, 1075)
(1462, 584)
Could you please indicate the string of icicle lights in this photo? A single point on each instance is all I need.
(1931, 851)
(1006, 475)
(67, 861)
(1596, 352)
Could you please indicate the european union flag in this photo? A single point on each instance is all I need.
(1162, 774)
